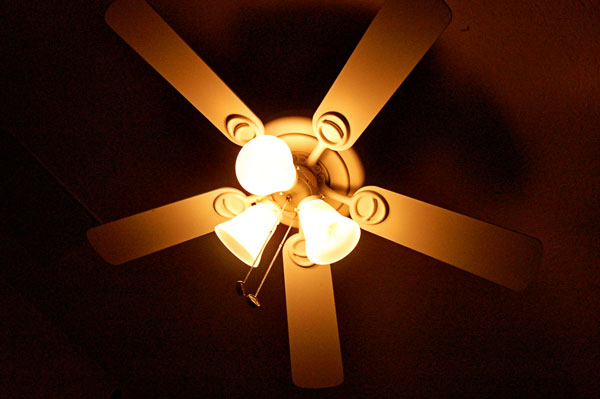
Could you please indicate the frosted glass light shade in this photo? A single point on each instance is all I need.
(246, 234)
(265, 166)
(328, 235)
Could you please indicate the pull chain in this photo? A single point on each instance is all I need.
(241, 284)
(253, 298)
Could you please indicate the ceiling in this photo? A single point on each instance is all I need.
(499, 121)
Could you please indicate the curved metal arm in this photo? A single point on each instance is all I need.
(328, 192)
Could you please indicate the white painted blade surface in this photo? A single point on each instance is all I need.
(315, 353)
(502, 256)
(147, 232)
(149, 35)
(398, 37)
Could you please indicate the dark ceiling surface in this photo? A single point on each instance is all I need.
(499, 121)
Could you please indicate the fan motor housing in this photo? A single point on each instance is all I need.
(340, 170)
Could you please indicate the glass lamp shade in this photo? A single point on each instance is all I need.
(245, 234)
(328, 235)
(265, 166)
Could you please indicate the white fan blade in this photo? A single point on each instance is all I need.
(398, 37)
(147, 232)
(494, 253)
(150, 36)
(315, 353)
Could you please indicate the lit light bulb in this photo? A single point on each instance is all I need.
(246, 234)
(265, 166)
(328, 235)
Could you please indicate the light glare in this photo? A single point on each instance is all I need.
(329, 236)
(265, 165)
(246, 234)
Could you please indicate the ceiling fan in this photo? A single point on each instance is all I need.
(304, 173)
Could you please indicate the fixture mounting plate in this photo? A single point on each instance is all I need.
(342, 171)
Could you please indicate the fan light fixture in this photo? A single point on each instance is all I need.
(246, 234)
(329, 236)
(265, 165)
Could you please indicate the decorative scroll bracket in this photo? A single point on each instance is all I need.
(297, 251)
(241, 129)
(368, 207)
(231, 203)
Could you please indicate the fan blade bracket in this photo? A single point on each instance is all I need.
(497, 254)
(138, 235)
(367, 207)
(395, 41)
(296, 251)
(231, 202)
(140, 26)
(333, 130)
(242, 129)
